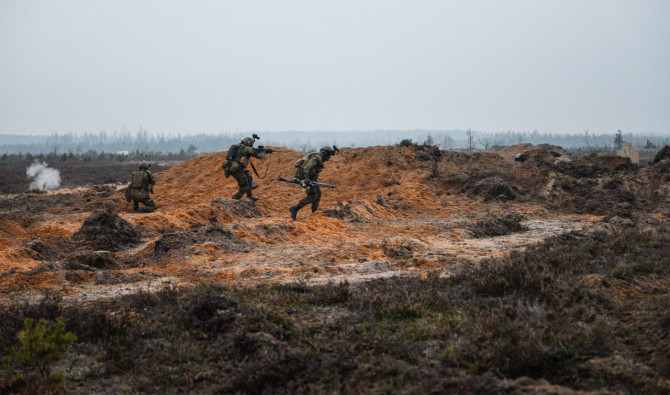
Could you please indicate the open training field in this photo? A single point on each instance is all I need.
(425, 270)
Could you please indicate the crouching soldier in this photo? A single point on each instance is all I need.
(236, 166)
(307, 169)
(141, 184)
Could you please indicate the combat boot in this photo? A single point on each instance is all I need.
(253, 198)
(294, 211)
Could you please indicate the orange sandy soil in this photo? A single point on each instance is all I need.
(386, 187)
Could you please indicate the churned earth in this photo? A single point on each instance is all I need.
(398, 210)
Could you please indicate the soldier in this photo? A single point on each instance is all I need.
(141, 184)
(307, 169)
(237, 160)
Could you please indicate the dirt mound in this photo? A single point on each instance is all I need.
(399, 250)
(497, 225)
(593, 196)
(663, 153)
(211, 234)
(594, 165)
(516, 151)
(510, 151)
(352, 211)
(494, 188)
(90, 260)
(42, 251)
(537, 155)
(243, 208)
(104, 230)
(361, 173)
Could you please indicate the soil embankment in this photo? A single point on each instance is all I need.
(397, 210)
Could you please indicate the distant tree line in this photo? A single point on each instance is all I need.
(94, 156)
(88, 145)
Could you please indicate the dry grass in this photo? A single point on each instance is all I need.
(553, 313)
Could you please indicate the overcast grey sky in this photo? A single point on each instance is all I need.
(213, 66)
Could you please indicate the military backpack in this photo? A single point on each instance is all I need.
(229, 166)
(137, 179)
(299, 166)
(232, 152)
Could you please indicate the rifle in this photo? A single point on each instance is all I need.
(264, 150)
(307, 182)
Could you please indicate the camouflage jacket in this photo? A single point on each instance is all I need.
(142, 192)
(244, 153)
(313, 166)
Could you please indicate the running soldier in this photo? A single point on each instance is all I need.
(307, 169)
(236, 166)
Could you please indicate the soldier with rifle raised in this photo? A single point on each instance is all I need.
(236, 163)
(307, 171)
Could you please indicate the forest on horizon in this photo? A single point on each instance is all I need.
(304, 141)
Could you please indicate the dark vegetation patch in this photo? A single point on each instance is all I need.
(105, 230)
(663, 153)
(90, 260)
(538, 156)
(593, 166)
(41, 251)
(591, 184)
(486, 175)
(343, 211)
(29, 208)
(199, 234)
(239, 208)
(428, 153)
(73, 173)
(273, 232)
(497, 225)
(593, 196)
(402, 251)
(346, 212)
(34, 203)
(557, 149)
(494, 188)
(581, 311)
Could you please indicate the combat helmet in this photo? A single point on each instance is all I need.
(143, 165)
(248, 141)
(328, 150)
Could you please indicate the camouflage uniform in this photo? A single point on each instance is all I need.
(138, 191)
(237, 168)
(309, 170)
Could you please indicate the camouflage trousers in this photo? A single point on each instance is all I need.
(313, 197)
(147, 202)
(244, 183)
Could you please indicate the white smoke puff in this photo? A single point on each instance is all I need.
(43, 177)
